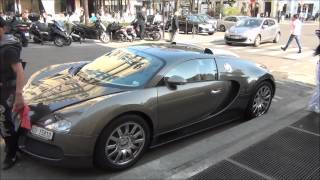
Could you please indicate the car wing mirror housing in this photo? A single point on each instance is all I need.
(173, 81)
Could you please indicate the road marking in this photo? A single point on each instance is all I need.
(299, 56)
(237, 48)
(254, 50)
(278, 97)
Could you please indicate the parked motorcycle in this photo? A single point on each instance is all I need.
(20, 31)
(152, 31)
(98, 31)
(55, 32)
(118, 32)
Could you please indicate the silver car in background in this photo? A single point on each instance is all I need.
(253, 31)
(209, 20)
(229, 21)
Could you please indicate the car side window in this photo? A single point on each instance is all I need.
(271, 22)
(228, 19)
(233, 19)
(195, 70)
(265, 22)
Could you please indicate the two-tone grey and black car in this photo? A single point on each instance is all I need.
(109, 111)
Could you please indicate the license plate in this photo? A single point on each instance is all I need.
(41, 132)
(26, 34)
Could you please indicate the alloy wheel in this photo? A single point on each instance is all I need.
(262, 100)
(125, 143)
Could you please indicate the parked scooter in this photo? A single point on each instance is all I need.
(55, 32)
(98, 31)
(118, 32)
(152, 31)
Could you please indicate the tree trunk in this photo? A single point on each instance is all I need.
(177, 5)
(86, 11)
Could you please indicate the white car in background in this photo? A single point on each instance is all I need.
(253, 31)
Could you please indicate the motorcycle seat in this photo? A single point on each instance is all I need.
(43, 27)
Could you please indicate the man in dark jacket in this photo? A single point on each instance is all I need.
(141, 23)
(174, 26)
(11, 85)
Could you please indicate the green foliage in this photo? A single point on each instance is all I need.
(231, 11)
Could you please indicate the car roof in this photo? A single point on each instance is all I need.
(172, 53)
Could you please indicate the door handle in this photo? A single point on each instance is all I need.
(215, 91)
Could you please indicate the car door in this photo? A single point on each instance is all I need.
(198, 98)
(273, 29)
(265, 31)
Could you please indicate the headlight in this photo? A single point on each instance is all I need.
(59, 126)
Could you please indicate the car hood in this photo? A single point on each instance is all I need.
(241, 30)
(61, 90)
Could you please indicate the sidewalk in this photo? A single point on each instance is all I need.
(291, 153)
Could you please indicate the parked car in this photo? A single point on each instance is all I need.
(208, 19)
(107, 112)
(253, 31)
(193, 22)
(228, 22)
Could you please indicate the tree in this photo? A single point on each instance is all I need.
(86, 11)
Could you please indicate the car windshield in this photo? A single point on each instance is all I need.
(195, 19)
(121, 67)
(249, 23)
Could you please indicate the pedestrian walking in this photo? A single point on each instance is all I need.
(11, 99)
(174, 25)
(141, 19)
(295, 27)
(314, 103)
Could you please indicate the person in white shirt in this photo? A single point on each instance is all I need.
(295, 26)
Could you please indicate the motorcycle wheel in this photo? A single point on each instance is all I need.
(67, 42)
(59, 41)
(104, 37)
(36, 40)
(156, 36)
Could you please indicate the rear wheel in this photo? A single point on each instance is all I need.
(68, 41)
(260, 100)
(277, 38)
(122, 143)
(156, 36)
(104, 37)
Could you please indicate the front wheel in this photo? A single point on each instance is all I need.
(59, 41)
(260, 100)
(257, 41)
(122, 143)
(210, 33)
(104, 37)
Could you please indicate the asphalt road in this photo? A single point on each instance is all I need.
(182, 158)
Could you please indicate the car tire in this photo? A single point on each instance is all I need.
(260, 100)
(110, 159)
(222, 28)
(210, 33)
(229, 43)
(257, 41)
(277, 38)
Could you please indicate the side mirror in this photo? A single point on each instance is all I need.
(264, 26)
(175, 80)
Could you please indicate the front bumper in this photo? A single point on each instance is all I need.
(206, 30)
(64, 150)
(238, 40)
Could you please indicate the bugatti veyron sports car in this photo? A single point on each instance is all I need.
(107, 112)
